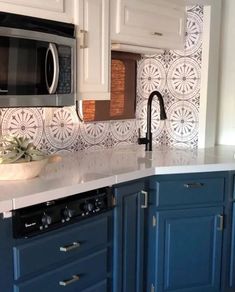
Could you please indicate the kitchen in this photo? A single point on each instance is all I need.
(129, 247)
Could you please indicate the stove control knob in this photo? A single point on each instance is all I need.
(67, 213)
(88, 207)
(99, 204)
(46, 220)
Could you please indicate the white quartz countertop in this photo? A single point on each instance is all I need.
(87, 170)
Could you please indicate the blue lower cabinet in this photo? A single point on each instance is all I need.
(100, 287)
(232, 253)
(185, 250)
(6, 256)
(129, 216)
(75, 276)
(75, 258)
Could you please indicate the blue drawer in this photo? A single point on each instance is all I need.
(50, 249)
(76, 276)
(191, 191)
(100, 287)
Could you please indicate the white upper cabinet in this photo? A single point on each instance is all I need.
(148, 23)
(94, 56)
(60, 10)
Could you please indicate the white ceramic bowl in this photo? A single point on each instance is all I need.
(24, 170)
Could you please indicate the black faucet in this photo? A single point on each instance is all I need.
(148, 139)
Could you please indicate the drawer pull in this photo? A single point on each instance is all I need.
(70, 247)
(74, 279)
(157, 33)
(221, 222)
(145, 205)
(193, 185)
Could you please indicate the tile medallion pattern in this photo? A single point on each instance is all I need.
(177, 74)
(183, 78)
(182, 123)
(61, 127)
(94, 133)
(25, 122)
(151, 75)
(122, 130)
(157, 124)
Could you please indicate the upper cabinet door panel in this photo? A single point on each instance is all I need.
(53, 5)
(148, 23)
(170, 3)
(95, 53)
(60, 10)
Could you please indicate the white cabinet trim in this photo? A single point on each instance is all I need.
(95, 58)
(209, 75)
(58, 10)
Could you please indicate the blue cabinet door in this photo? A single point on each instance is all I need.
(232, 253)
(128, 238)
(6, 257)
(185, 250)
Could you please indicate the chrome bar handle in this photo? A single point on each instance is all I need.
(70, 247)
(157, 33)
(145, 205)
(193, 185)
(221, 222)
(74, 279)
(53, 86)
(83, 39)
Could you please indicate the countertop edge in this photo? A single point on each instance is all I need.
(59, 193)
(144, 169)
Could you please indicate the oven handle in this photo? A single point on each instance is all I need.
(52, 88)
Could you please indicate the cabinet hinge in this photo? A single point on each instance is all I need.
(114, 201)
(152, 288)
(83, 35)
(154, 222)
(221, 223)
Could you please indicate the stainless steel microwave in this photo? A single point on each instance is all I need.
(37, 62)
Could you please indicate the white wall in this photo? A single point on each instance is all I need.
(209, 74)
(226, 113)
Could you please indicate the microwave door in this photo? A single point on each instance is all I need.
(4, 53)
(52, 68)
(34, 72)
(23, 67)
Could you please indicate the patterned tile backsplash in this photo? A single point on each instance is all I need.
(177, 74)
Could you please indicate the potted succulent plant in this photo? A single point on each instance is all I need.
(20, 159)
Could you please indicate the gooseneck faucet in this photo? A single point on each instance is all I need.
(148, 139)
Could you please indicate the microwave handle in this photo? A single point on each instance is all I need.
(52, 88)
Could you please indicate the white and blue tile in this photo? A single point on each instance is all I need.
(183, 78)
(151, 76)
(23, 122)
(157, 125)
(95, 132)
(182, 123)
(61, 127)
(123, 129)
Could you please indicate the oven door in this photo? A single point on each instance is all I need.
(35, 71)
